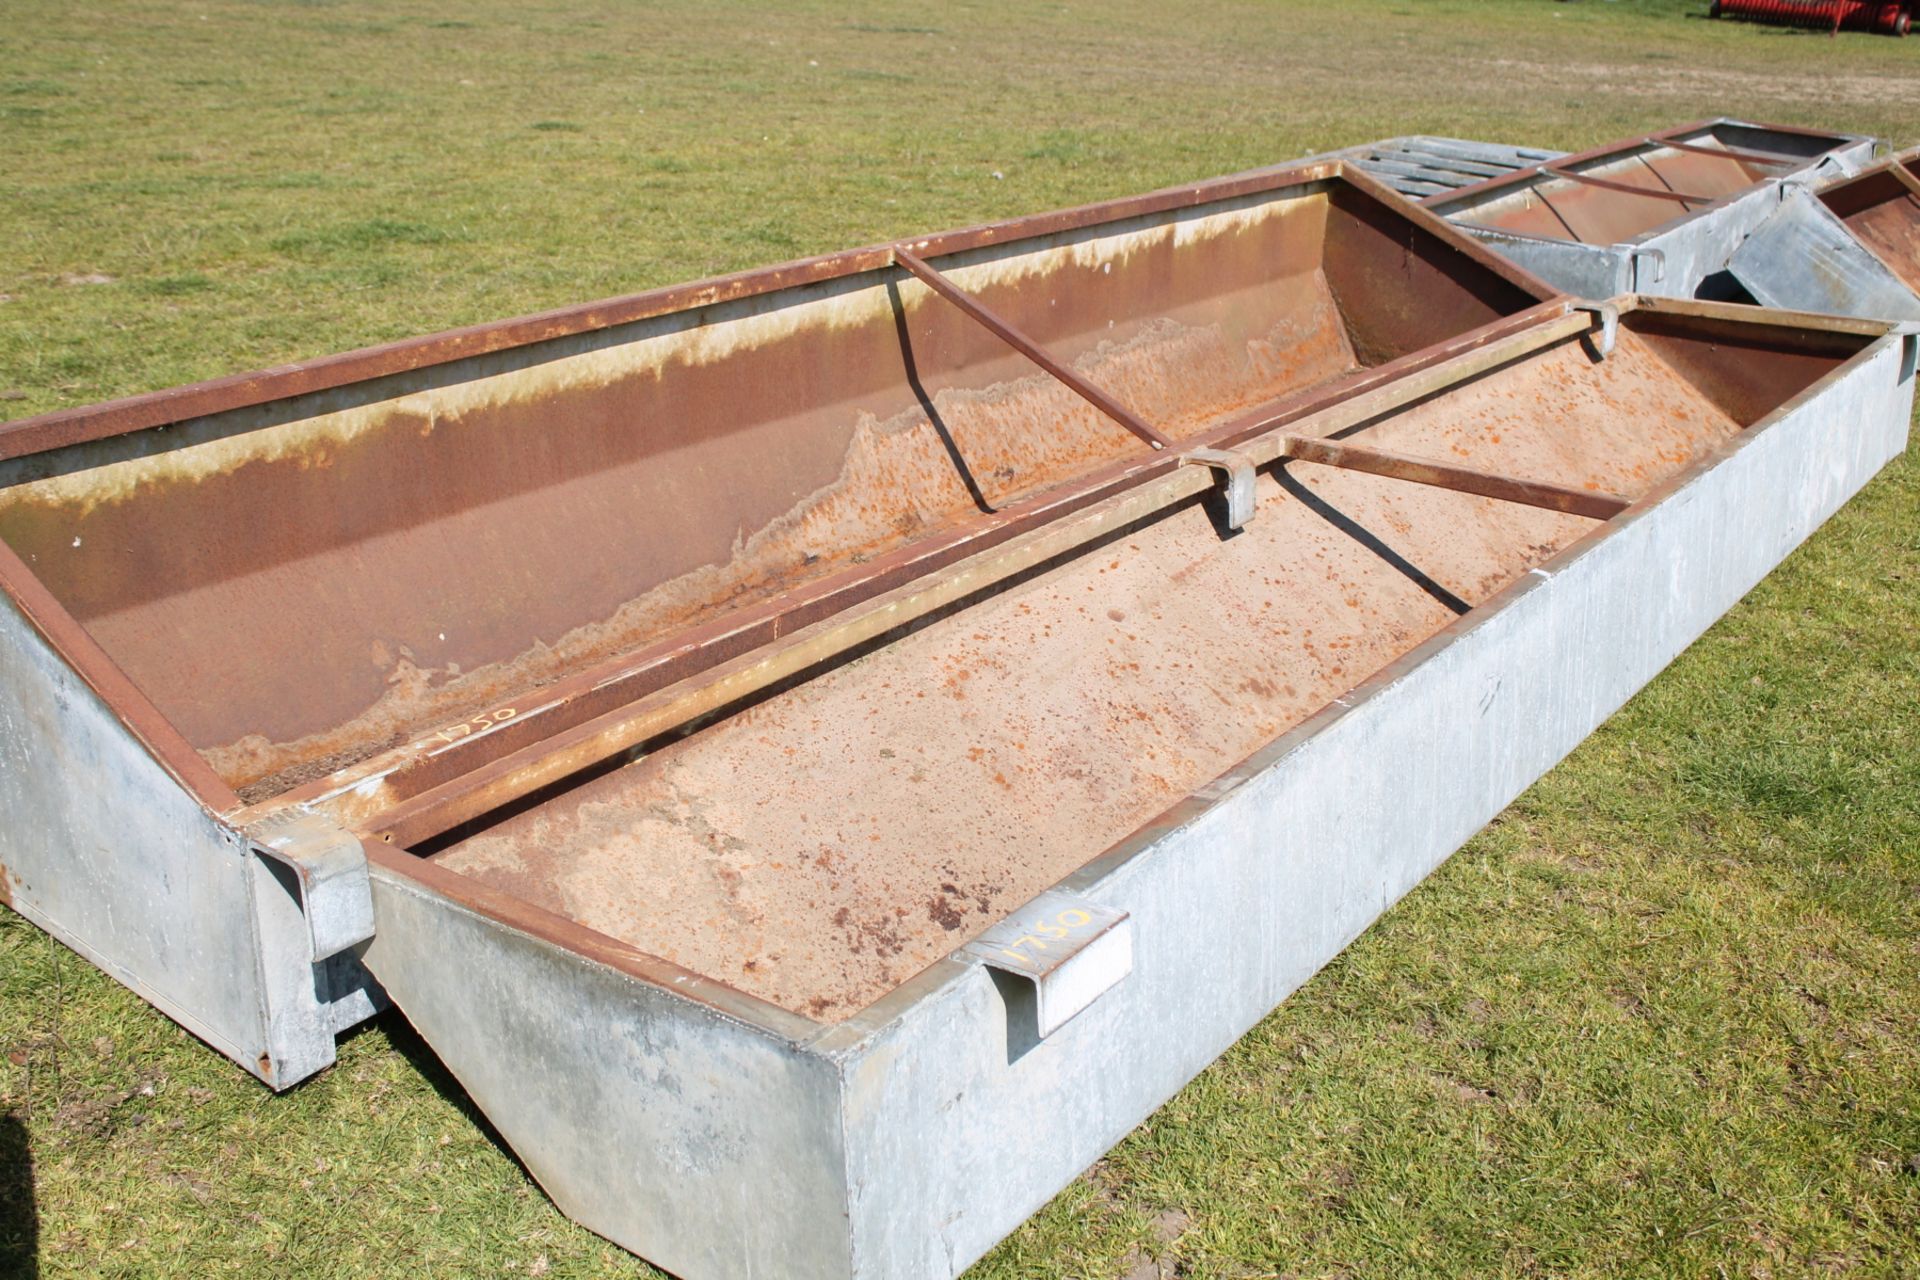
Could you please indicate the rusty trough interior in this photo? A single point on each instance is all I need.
(444, 545)
(1882, 209)
(1626, 189)
(797, 637)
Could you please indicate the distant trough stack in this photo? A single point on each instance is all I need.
(822, 753)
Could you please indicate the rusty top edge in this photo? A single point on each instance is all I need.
(1521, 177)
(63, 427)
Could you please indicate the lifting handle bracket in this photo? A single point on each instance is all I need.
(336, 893)
(1609, 317)
(1063, 953)
(1236, 480)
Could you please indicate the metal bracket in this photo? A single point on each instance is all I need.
(1236, 480)
(1071, 950)
(1658, 259)
(336, 894)
(1609, 317)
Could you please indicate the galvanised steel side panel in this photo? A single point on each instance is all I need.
(101, 847)
(951, 1142)
(1804, 258)
(709, 1147)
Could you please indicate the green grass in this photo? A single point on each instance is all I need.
(1662, 1018)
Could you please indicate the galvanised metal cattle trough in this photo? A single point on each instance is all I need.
(1852, 247)
(1658, 214)
(822, 753)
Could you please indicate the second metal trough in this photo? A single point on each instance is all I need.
(1659, 214)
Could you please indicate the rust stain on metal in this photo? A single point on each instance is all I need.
(819, 848)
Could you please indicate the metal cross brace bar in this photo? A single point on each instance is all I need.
(1541, 192)
(1399, 466)
(1013, 337)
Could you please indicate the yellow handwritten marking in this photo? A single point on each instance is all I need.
(467, 728)
(1058, 929)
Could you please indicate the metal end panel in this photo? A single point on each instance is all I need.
(1805, 258)
(106, 850)
(709, 1146)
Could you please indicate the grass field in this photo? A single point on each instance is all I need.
(1662, 1018)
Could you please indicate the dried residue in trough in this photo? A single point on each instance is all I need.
(819, 848)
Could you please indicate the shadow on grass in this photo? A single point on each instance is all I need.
(19, 1221)
(409, 1044)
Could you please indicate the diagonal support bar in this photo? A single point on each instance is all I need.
(1007, 333)
(1399, 466)
(1561, 218)
(1679, 197)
